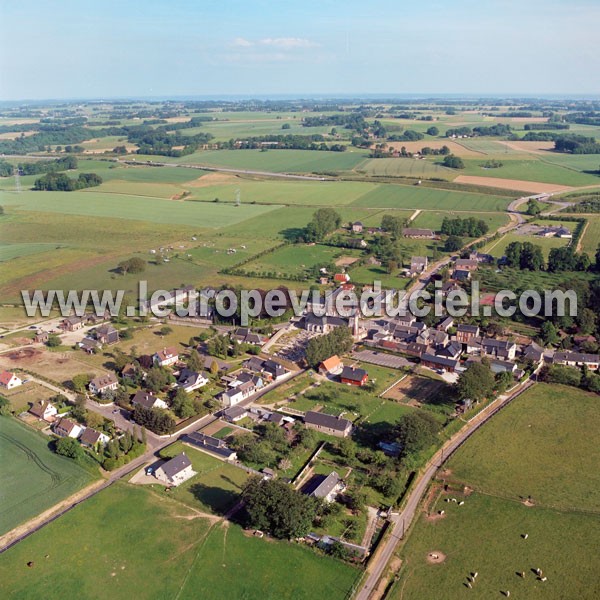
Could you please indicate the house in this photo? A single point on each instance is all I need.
(422, 234)
(357, 227)
(240, 392)
(175, 471)
(392, 449)
(209, 360)
(93, 439)
(341, 278)
(244, 335)
(210, 444)
(324, 487)
(407, 320)
(466, 333)
(43, 410)
(73, 323)
(89, 345)
(129, 371)
(67, 428)
(577, 359)
(453, 350)
(439, 362)
(328, 424)
(446, 324)
(107, 334)
(418, 264)
(354, 376)
(147, 400)
(499, 348)
(103, 383)
(331, 366)
(466, 264)
(9, 380)
(190, 380)
(274, 370)
(461, 275)
(533, 352)
(234, 413)
(166, 357)
(449, 287)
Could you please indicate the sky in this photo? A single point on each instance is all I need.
(130, 48)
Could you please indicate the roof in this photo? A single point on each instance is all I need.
(234, 412)
(106, 329)
(353, 374)
(167, 353)
(468, 328)
(493, 343)
(65, 424)
(5, 377)
(104, 380)
(188, 377)
(176, 465)
(326, 485)
(440, 361)
(145, 399)
(333, 362)
(90, 436)
(324, 420)
(408, 231)
(576, 357)
(418, 260)
(39, 408)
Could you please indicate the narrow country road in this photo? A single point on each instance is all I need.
(403, 520)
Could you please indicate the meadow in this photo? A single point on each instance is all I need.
(433, 219)
(406, 167)
(541, 446)
(129, 542)
(497, 248)
(33, 477)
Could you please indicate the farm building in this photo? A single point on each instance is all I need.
(328, 423)
(175, 471)
(439, 362)
(423, 234)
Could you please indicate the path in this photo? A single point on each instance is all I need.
(402, 521)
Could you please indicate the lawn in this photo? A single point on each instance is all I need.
(367, 274)
(127, 542)
(215, 488)
(484, 536)
(120, 206)
(403, 196)
(33, 477)
(543, 445)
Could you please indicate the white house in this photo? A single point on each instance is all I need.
(190, 380)
(175, 471)
(166, 357)
(92, 438)
(100, 385)
(44, 410)
(148, 400)
(9, 380)
(67, 428)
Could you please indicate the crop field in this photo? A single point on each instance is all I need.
(541, 447)
(155, 210)
(33, 477)
(401, 196)
(591, 237)
(497, 248)
(277, 161)
(10, 251)
(307, 193)
(433, 219)
(407, 167)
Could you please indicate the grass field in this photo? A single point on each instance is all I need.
(33, 477)
(497, 247)
(591, 236)
(433, 219)
(407, 167)
(401, 196)
(543, 446)
(128, 542)
(154, 210)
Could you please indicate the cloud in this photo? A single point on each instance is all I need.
(241, 42)
(288, 42)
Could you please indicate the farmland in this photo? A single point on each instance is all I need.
(497, 247)
(33, 477)
(541, 448)
(132, 550)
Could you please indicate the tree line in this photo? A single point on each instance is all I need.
(60, 182)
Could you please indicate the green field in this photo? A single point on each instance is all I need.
(497, 247)
(433, 219)
(154, 210)
(591, 236)
(407, 167)
(541, 446)
(33, 477)
(402, 196)
(127, 542)
(10, 251)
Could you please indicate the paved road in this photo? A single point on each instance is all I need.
(402, 521)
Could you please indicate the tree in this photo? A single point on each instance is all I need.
(513, 254)
(324, 221)
(416, 431)
(533, 207)
(81, 381)
(157, 420)
(453, 243)
(165, 330)
(392, 267)
(453, 162)
(475, 383)
(587, 321)
(53, 341)
(68, 446)
(549, 334)
(433, 131)
(4, 406)
(214, 368)
(338, 341)
(195, 362)
(504, 379)
(276, 507)
(132, 265)
(158, 378)
(183, 404)
(393, 225)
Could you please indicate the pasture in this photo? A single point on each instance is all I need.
(591, 236)
(406, 167)
(433, 219)
(497, 248)
(33, 477)
(402, 196)
(128, 542)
